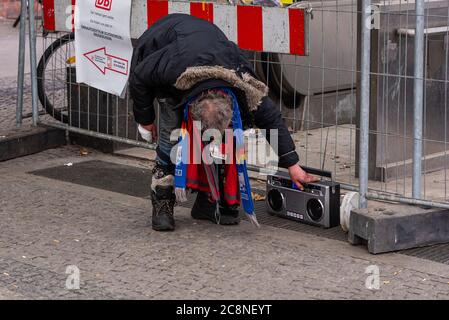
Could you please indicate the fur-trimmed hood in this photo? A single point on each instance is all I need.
(254, 89)
(178, 58)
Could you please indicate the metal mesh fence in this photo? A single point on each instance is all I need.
(319, 95)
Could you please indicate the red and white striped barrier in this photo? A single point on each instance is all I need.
(268, 29)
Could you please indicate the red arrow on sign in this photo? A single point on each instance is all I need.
(104, 61)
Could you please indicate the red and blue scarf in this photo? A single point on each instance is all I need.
(204, 177)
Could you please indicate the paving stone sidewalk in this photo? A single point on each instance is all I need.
(48, 225)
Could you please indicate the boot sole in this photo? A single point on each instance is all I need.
(229, 221)
(156, 228)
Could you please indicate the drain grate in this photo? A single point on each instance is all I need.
(437, 253)
(135, 181)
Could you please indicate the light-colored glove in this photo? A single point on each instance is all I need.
(145, 134)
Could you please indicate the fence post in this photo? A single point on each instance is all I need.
(21, 70)
(364, 100)
(418, 98)
(33, 63)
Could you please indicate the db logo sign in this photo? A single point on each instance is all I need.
(103, 4)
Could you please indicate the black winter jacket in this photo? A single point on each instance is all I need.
(180, 56)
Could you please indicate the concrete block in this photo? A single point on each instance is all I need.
(28, 140)
(391, 227)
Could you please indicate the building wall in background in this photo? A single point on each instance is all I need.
(9, 8)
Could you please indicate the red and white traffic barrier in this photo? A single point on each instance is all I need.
(268, 29)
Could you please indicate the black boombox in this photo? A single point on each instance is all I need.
(318, 204)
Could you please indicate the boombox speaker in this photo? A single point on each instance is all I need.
(318, 204)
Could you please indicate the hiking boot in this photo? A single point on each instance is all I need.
(204, 209)
(163, 199)
(229, 215)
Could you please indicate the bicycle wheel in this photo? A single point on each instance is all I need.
(53, 79)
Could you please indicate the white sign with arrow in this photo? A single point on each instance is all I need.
(103, 44)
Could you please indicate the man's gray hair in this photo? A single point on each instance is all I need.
(214, 109)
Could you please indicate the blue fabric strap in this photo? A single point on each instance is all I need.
(182, 152)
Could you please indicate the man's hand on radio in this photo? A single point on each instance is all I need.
(299, 176)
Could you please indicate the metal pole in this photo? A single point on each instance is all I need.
(384, 196)
(33, 63)
(21, 70)
(101, 135)
(364, 100)
(418, 97)
(371, 194)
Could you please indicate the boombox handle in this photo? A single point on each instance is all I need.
(318, 172)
